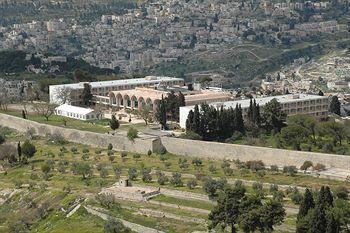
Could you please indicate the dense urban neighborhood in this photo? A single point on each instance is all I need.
(122, 116)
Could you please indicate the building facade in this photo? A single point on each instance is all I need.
(292, 104)
(105, 87)
(143, 96)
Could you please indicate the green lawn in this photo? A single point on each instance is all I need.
(184, 202)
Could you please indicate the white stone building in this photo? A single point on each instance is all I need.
(292, 104)
(79, 113)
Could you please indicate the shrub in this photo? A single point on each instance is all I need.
(136, 156)
(74, 150)
(274, 168)
(162, 179)
(290, 170)
(162, 150)
(146, 175)
(278, 196)
(260, 173)
(192, 183)
(132, 134)
(167, 164)
(28, 149)
(176, 179)
(104, 172)
(296, 197)
(212, 168)
(273, 188)
(85, 157)
(2, 139)
(183, 164)
(132, 172)
(98, 152)
(107, 200)
(117, 171)
(56, 138)
(341, 192)
(113, 225)
(257, 187)
(110, 146)
(149, 152)
(63, 149)
(85, 150)
(320, 167)
(123, 154)
(197, 162)
(306, 165)
(255, 165)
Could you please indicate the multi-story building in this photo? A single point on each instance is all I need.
(142, 96)
(292, 104)
(103, 88)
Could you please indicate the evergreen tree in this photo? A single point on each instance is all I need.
(19, 151)
(196, 119)
(24, 116)
(273, 116)
(318, 223)
(328, 197)
(239, 124)
(333, 226)
(320, 93)
(86, 95)
(181, 100)
(306, 204)
(114, 123)
(189, 121)
(334, 106)
(161, 113)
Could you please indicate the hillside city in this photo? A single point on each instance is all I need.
(122, 116)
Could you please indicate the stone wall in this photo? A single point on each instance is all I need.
(212, 150)
(269, 156)
(119, 142)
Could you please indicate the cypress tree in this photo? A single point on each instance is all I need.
(332, 224)
(306, 204)
(334, 106)
(196, 119)
(24, 116)
(250, 112)
(318, 223)
(239, 124)
(189, 121)
(19, 151)
(328, 197)
(161, 113)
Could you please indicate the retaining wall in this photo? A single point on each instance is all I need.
(119, 142)
(269, 156)
(212, 150)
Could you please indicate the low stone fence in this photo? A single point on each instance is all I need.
(269, 156)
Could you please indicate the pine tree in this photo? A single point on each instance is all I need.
(334, 106)
(114, 123)
(306, 204)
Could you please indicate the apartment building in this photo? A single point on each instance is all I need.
(292, 104)
(103, 88)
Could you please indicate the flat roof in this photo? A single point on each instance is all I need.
(264, 100)
(74, 109)
(121, 82)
